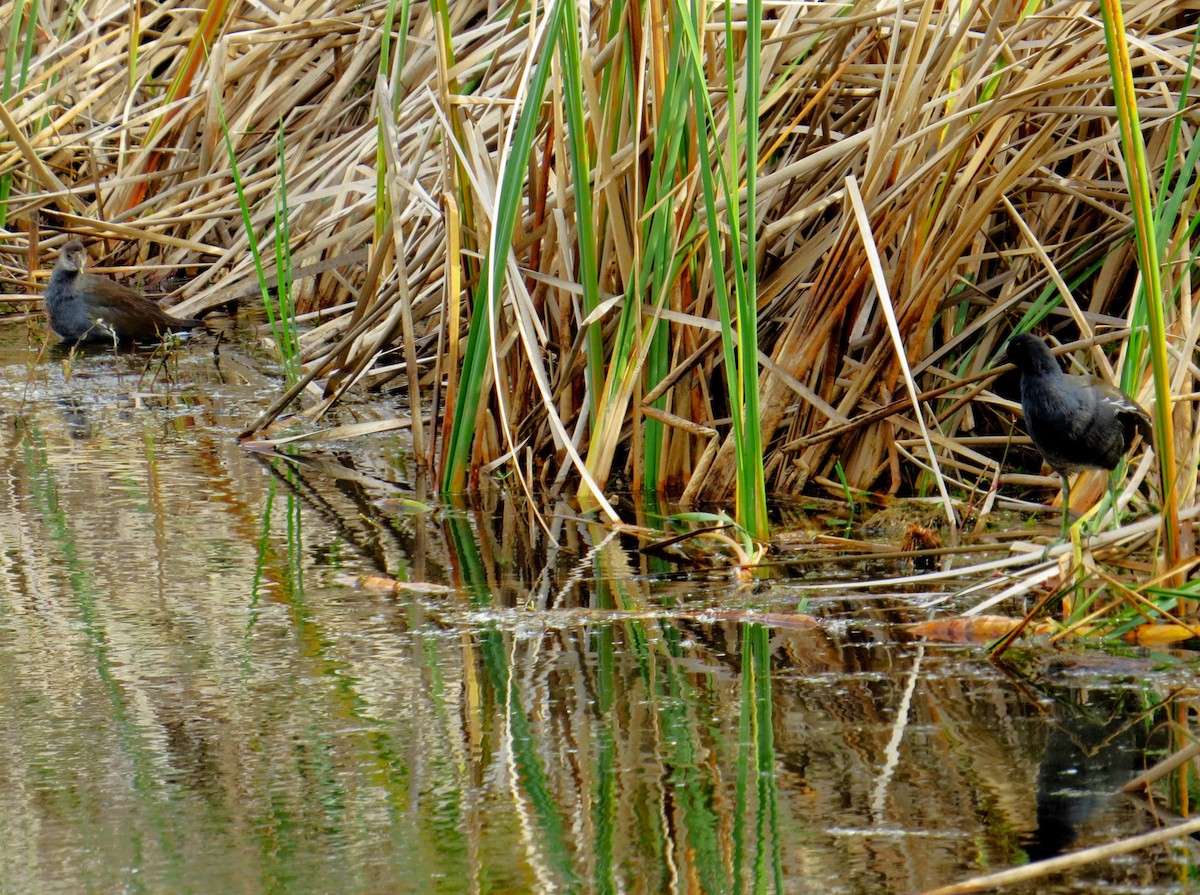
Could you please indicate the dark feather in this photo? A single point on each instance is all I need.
(1076, 422)
(86, 307)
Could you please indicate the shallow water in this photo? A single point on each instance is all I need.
(198, 692)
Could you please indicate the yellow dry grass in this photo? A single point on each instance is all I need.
(981, 137)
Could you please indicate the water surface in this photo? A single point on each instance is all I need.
(206, 685)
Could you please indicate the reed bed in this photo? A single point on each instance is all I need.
(553, 229)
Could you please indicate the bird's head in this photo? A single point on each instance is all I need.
(1030, 354)
(73, 257)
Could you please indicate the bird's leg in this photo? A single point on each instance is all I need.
(1066, 505)
(1066, 517)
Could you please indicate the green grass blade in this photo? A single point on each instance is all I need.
(581, 166)
(491, 282)
(739, 328)
(290, 359)
(1134, 149)
(283, 323)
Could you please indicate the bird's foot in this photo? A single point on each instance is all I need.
(1075, 536)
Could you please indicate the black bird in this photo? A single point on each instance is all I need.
(84, 307)
(1076, 422)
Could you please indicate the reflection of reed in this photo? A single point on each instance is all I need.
(187, 692)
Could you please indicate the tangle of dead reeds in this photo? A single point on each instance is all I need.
(558, 304)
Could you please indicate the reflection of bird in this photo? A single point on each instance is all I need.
(1076, 422)
(1096, 744)
(84, 307)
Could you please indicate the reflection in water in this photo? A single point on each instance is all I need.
(1094, 748)
(192, 699)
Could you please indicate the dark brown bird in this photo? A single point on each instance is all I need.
(1076, 422)
(84, 307)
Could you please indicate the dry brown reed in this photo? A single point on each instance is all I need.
(982, 139)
